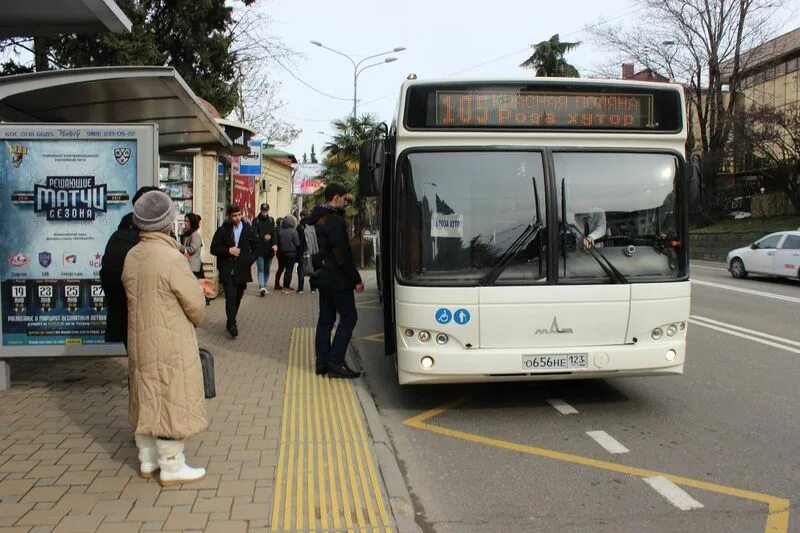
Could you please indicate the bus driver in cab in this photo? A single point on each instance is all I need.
(593, 226)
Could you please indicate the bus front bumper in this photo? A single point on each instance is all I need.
(485, 365)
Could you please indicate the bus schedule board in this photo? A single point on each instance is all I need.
(544, 107)
(63, 191)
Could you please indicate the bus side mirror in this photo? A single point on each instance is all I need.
(372, 161)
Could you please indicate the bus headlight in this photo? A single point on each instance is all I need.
(424, 336)
(672, 330)
(426, 362)
(671, 354)
(441, 338)
(657, 334)
(409, 332)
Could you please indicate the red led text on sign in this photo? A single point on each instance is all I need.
(476, 109)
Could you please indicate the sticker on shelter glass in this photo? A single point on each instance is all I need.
(447, 226)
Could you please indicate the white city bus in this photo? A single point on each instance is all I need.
(532, 229)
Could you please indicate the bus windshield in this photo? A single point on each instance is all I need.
(621, 206)
(461, 211)
(471, 216)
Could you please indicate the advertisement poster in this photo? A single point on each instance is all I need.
(60, 201)
(305, 179)
(243, 191)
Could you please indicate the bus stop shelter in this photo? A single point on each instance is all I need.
(115, 95)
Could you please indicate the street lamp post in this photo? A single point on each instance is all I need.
(358, 69)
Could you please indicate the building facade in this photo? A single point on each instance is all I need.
(275, 186)
(771, 72)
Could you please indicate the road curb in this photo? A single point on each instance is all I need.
(396, 490)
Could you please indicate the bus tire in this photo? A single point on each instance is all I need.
(737, 269)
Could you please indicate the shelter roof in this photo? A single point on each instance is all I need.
(31, 18)
(114, 95)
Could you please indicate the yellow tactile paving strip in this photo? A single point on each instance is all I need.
(326, 478)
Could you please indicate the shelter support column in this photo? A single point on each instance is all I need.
(205, 205)
(5, 376)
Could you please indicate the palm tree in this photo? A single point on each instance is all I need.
(548, 58)
(341, 153)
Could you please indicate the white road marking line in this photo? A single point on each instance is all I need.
(747, 291)
(744, 336)
(562, 407)
(745, 330)
(693, 265)
(673, 493)
(607, 441)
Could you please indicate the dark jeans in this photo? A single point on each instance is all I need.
(278, 273)
(233, 297)
(289, 260)
(330, 303)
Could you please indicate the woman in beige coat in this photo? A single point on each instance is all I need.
(165, 303)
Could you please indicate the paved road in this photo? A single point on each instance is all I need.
(724, 436)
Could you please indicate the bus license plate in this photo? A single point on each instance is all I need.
(554, 362)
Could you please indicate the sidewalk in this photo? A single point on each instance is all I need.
(286, 450)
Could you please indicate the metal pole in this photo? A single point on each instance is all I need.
(355, 90)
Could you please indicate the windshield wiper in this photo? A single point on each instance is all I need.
(525, 238)
(601, 259)
(610, 270)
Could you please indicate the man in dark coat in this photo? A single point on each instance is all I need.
(234, 244)
(267, 234)
(335, 277)
(117, 248)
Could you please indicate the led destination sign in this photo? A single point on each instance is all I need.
(542, 109)
(544, 106)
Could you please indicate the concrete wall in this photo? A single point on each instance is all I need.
(715, 246)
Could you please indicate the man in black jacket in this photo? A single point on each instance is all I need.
(117, 248)
(335, 277)
(234, 243)
(267, 234)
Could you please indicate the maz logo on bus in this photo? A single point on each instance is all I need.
(554, 329)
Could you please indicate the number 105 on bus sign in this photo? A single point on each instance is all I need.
(554, 362)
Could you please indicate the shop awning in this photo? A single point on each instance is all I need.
(114, 95)
(30, 18)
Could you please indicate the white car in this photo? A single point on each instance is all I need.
(777, 254)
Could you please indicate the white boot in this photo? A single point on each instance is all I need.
(174, 469)
(148, 455)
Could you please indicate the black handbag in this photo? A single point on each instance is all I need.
(207, 364)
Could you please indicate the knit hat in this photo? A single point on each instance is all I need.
(153, 211)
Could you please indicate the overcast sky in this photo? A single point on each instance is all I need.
(443, 39)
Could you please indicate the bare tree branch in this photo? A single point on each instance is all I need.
(257, 51)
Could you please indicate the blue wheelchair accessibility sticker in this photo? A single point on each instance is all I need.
(461, 316)
(443, 315)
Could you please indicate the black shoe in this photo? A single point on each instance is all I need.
(341, 370)
(322, 369)
(234, 332)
